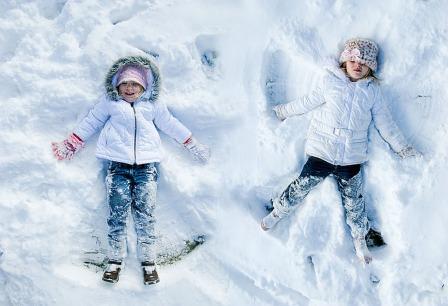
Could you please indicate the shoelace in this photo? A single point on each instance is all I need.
(113, 267)
(149, 269)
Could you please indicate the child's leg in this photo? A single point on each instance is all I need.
(314, 171)
(118, 185)
(144, 194)
(350, 185)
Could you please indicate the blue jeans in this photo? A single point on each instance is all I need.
(350, 184)
(131, 187)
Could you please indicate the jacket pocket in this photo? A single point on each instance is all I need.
(359, 146)
(106, 135)
(152, 172)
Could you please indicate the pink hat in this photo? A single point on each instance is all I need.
(133, 73)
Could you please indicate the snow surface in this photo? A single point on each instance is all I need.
(215, 58)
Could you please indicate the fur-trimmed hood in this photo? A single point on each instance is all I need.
(153, 76)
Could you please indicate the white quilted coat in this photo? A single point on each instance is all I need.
(128, 131)
(338, 131)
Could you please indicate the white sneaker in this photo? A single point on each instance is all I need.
(270, 220)
(362, 251)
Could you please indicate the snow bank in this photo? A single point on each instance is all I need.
(216, 59)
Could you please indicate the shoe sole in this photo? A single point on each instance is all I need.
(110, 280)
(151, 283)
(263, 227)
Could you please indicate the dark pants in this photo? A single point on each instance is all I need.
(350, 183)
(131, 187)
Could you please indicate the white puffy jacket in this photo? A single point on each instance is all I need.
(129, 133)
(338, 131)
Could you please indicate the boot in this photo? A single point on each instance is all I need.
(112, 272)
(374, 239)
(362, 251)
(150, 275)
(269, 206)
(270, 220)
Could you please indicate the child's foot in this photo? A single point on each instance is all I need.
(362, 251)
(150, 275)
(270, 220)
(374, 239)
(112, 273)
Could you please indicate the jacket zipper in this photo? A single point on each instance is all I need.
(135, 134)
(352, 100)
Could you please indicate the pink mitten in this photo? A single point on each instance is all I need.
(67, 148)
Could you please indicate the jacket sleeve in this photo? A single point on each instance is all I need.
(303, 104)
(386, 125)
(166, 122)
(94, 121)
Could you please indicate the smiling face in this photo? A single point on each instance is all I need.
(130, 91)
(356, 71)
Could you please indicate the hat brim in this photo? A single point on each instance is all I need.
(130, 79)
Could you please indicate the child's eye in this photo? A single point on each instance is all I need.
(131, 84)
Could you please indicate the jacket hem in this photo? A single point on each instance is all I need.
(129, 162)
(351, 163)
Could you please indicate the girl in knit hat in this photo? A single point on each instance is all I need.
(347, 101)
(127, 117)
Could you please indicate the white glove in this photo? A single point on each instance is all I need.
(279, 112)
(409, 152)
(201, 153)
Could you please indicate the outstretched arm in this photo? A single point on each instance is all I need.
(176, 130)
(166, 122)
(388, 129)
(300, 106)
(93, 122)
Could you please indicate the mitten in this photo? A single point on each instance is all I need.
(409, 152)
(200, 152)
(279, 112)
(67, 148)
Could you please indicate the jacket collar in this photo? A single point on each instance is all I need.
(332, 66)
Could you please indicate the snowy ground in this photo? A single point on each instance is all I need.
(215, 58)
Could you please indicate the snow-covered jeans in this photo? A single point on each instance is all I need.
(134, 188)
(350, 184)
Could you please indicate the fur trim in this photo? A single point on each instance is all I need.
(153, 90)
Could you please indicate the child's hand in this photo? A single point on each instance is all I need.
(67, 148)
(279, 112)
(409, 152)
(201, 153)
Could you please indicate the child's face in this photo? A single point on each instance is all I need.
(130, 91)
(356, 71)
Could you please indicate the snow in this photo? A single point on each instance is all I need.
(215, 58)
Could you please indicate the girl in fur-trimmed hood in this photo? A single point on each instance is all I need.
(128, 117)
